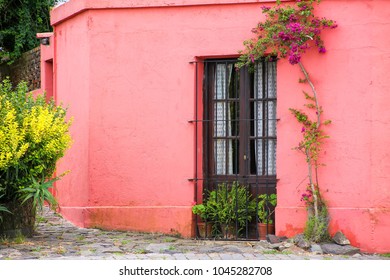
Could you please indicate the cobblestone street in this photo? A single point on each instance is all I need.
(57, 239)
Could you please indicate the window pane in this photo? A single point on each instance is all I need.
(234, 108)
(220, 82)
(226, 156)
(271, 108)
(258, 81)
(263, 161)
(255, 165)
(234, 84)
(265, 80)
(271, 157)
(220, 119)
(220, 156)
(271, 79)
(258, 120)
(235, 162)
(263, 157)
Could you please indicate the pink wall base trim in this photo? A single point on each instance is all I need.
(76, 215)
(366, 228)
(162, 219)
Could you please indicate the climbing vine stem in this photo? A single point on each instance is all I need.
(288, 31)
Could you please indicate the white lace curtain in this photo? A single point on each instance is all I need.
(265, 126)
(223, 152)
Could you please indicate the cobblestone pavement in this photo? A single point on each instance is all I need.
(58, 239)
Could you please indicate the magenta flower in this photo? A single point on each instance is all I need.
(303, 129)
(265, 8)
(285, 37)
(305, 46)
(293, 18)
(294, 48)
(294, 58)
(252, 58)
(316, 22)
(322, 49)
(316, 30)
(295, 27)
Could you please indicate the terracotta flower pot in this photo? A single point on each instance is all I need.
(265, 229)
(228, 231)
(204, 229)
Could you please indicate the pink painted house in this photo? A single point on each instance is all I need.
(159, 114)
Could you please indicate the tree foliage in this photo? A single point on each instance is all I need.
(20, 21)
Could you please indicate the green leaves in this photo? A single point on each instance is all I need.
(288, 31)
(229, 205)
(264, 211)
(20, 21)
(3, 208)
(39, 193)
(201, 210)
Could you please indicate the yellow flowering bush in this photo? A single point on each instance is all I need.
(34, 135)
(48, 137)
(12, 142)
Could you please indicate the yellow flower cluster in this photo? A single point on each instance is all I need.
(34, 134)
(12, 136)
(47, 132)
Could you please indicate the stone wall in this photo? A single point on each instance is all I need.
(27, 68)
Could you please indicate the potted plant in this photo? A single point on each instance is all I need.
(204, 225)
(231, 207)
(34, 135)
(265, 208)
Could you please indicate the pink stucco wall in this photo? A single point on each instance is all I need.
(46, 65)
(123, 68)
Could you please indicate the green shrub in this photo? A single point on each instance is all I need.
(231, 205)
(316, 229)
(34, 135)
(265, 208)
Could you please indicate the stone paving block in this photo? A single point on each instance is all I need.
(141, 256)
(157, 248)
(204, 257)
(192, 256)
(248, 256)
(111, 250)
(131, 257)
(231, 249)
(157, 256)
(284, 257)
(260, 257)
(179, 256)
(215, 256)
(225, 256)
